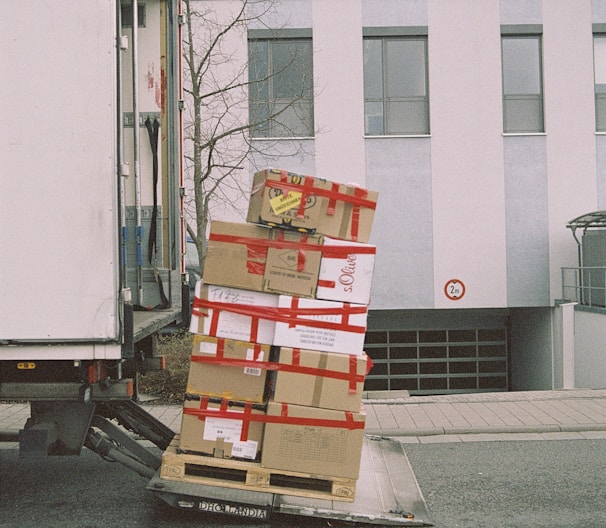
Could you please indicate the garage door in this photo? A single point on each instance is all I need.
(438, 361)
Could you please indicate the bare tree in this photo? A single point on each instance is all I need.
(218, 131)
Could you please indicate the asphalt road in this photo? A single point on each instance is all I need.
(525, 484)
(89, 492)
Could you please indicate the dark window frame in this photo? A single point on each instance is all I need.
(599, 32)
(530, 105)
(381, 109)
(265, 99)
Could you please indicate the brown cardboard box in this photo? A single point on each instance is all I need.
(220, 428)
(226, 368)
(315, 441)
(320, 379)
(259, 258)
(294, 201)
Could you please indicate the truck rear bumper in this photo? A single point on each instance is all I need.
(96, 392)
(59, 351)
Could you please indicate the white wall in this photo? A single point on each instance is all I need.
(590, 350)
(467, 151)
(338, 104)
(569, 125)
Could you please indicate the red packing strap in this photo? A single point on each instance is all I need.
(257, 247)
(327, 283)
(298, 246)
(355, 199)
(220, 354)
(292, 317)
(256, 257)
(353, 371)
(308, 185)
(351, 376)
(255, 268)
(332, 202)
(355, 219)
(347, 422)
(328, 251)
(204, 412)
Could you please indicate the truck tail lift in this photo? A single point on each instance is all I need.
(387, 495)
(387, 490)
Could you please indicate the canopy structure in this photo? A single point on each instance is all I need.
(596, 219)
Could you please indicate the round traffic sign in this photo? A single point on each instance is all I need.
(454, 289)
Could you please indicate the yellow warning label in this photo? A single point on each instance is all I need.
(285, 202)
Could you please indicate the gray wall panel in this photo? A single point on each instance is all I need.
(601, 171)
(400, 170)
(394, 13)
(521, 12)
(526, 221)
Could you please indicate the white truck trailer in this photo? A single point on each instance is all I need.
(92, 243)
(91, 222)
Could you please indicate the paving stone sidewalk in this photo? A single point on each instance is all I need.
(565, 414)
(490, 416)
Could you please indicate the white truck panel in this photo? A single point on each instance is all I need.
(58, 203)
(80, 351)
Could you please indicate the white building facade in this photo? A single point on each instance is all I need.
(479, 124)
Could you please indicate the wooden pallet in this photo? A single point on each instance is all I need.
(240, 474)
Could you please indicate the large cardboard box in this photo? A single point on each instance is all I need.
(320, 379)
(311, 440)
(259, 258)
(226, 368)
(222, 429)
(233, 313)
(294, 201)
(346, 271)
(328, 326)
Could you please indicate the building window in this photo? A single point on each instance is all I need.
(599, 61)
(281, 87)
(395, 85)
(522, 84)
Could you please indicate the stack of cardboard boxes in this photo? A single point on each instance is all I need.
(278, 367)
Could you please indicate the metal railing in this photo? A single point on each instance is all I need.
(585, 285)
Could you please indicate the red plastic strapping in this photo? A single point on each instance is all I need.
(288, 316)
(332, 202)
(355, 199)
(348, 421)
(246, 422)
(261, 245)
(351, 375)
(223, 411)
(255, 268)
(308, 185)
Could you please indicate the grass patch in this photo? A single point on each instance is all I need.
(169, 385)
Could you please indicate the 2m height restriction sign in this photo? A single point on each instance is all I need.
(454, 289)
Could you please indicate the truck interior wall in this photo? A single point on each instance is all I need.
(157, 93)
